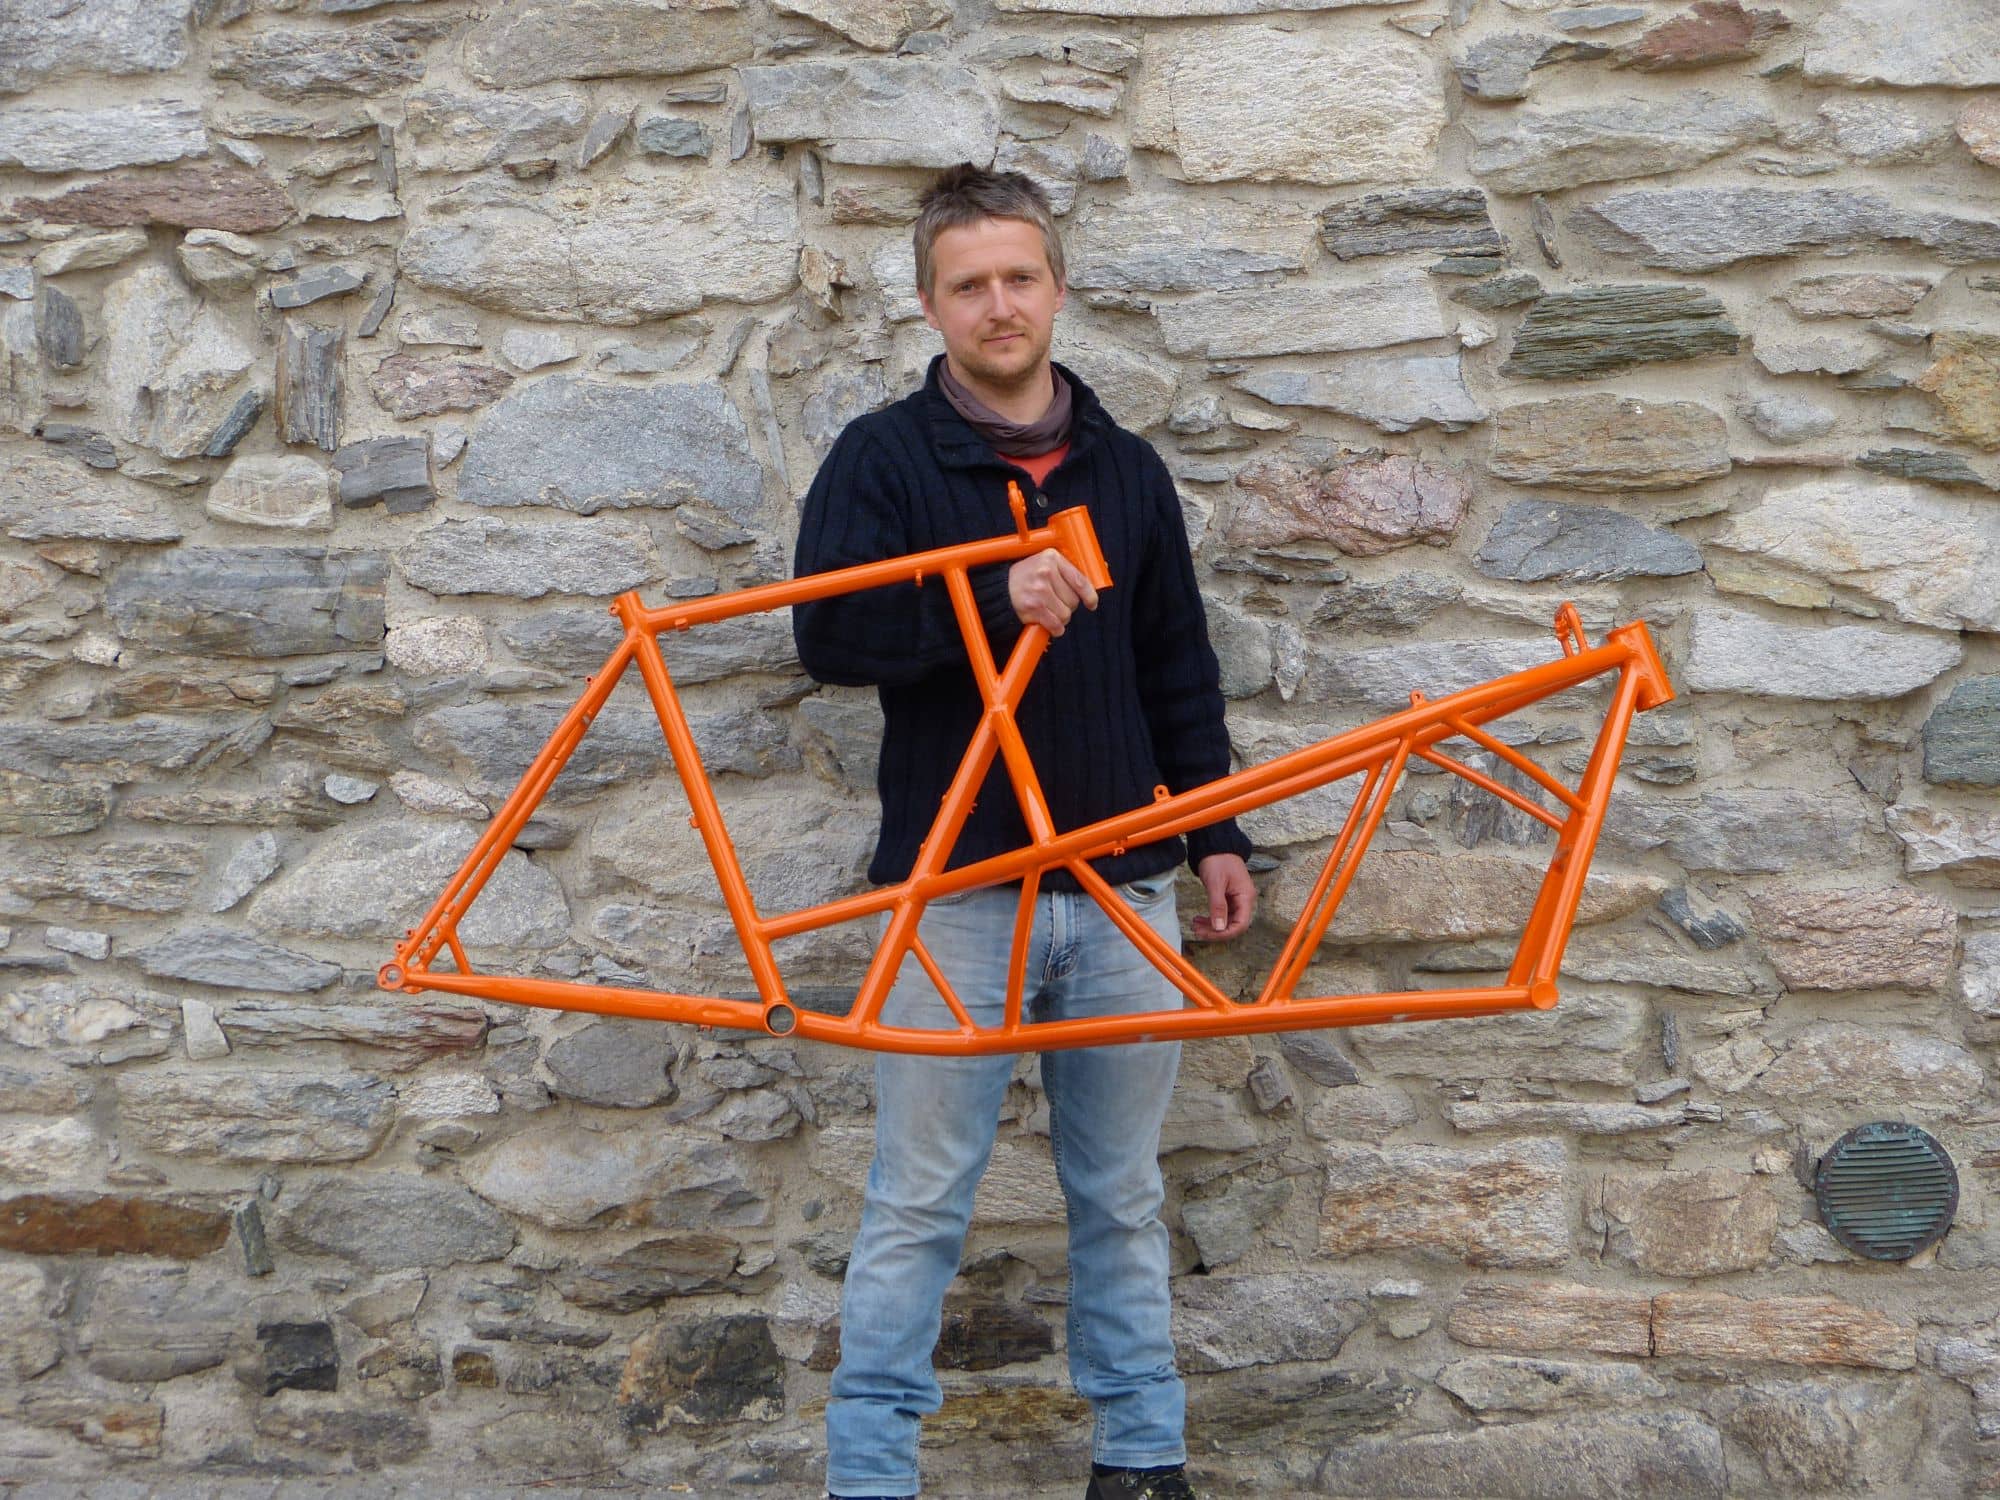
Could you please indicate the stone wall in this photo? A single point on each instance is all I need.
(357, 352)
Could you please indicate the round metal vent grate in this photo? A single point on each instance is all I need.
(1887, 1190)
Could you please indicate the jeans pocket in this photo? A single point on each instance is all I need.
(1149, 888)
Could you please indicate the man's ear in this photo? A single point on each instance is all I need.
(924, 301)
(1062, 295)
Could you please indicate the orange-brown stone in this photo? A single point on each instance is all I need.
(203, 197)
(79, 1224)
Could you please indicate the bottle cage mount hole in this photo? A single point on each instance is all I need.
(1377, 753)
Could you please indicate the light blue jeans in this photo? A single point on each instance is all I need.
(935, 1119)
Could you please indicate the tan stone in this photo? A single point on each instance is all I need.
(1498, 1207)
(1856, 294)
(1408, 894)
(880, 25)
(1606, 442)
(1841, 1066)
(1964, 846)
(1889, 937)
(1551, 1315)
(1979, 128)
(1964, 378)
(1590, 1037)
(1929, 557)
(1690, 1223)
(1333, 104)
(1365, 506)
(1795, 1330)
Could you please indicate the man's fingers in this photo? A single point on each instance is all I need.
(1079, 585)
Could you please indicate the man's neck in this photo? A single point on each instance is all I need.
(1024, 403)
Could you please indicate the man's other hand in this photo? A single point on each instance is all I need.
(1046, 589)
(1231, 898)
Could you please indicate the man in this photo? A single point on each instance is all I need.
(1126, 698)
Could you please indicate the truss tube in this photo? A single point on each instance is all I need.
(513, 816)
(707, 812)
(999, 711)
(1317, 915)
(1540, 953)
(1189, 980)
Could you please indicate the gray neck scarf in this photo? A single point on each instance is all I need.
(1005, 436)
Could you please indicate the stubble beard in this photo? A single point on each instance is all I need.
(1007, 378)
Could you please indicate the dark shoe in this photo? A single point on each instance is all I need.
(1139, 1484)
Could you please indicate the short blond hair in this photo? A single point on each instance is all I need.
(964, 195)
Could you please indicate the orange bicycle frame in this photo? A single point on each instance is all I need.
(1378, 752)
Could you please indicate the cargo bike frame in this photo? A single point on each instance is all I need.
(1378, 753)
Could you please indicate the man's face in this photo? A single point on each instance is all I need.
(994, 298)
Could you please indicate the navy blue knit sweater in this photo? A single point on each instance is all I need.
(1127, 698)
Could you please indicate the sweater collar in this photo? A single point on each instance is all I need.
(960, 447)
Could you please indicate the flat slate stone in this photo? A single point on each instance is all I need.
(1453, 219)
(1931, 465)
(294, 64)
(378, 880)
(97, 36)
(587, 445)
(1535, 541)
(234, 960)
(1872, 41)
(262, 1117)
(1930, 559)
(1730, 651)
(1663, 1453)
(1392, 392)
(1154, 243)
(671, 135)
(1606, 442)
(1741, 830)
(538, 41)
(213, 195)
(1595, 330)
(657, 247)
(393, 472)
(1708, 32)
(389, 1220)
(1293, 319)
(879, 112)
(1334, 104)
(310, 384)
(1962, 735)
(527, 559)
(58, 328)
(251, 601)
(1703, 228)
(454, 132)
(1534, 152)
(1499, 66)
(145, 132)
(314, 286)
